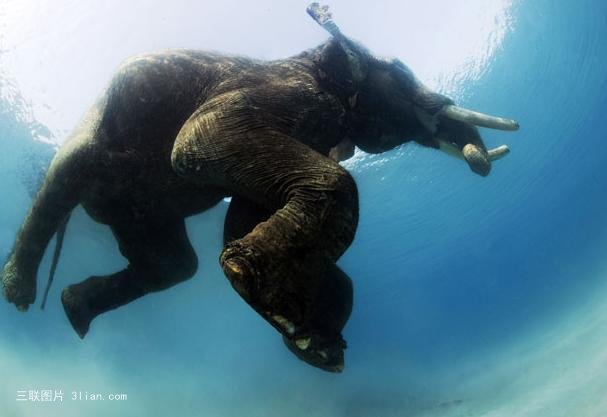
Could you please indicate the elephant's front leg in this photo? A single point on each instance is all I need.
(313, 199)
(323, 346)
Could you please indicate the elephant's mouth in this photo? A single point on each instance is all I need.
(477, 158)
(444, 125)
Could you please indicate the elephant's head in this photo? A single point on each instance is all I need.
(389, 106)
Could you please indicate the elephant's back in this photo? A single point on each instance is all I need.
(140, 114)
(152, 95)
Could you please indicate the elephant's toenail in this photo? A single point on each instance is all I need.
(284, 323)
(233, 269)
(303, 343)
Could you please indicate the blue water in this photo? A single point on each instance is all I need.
(473, 296)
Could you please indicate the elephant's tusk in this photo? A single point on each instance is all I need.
(498, 153)
(478, 119)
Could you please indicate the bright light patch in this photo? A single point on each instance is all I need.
(62, 53)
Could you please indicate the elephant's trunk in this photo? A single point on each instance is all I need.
(324, 18)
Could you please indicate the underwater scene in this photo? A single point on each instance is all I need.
(304, 153)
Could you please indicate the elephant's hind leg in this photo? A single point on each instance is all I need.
(160, 255)
(62, 189)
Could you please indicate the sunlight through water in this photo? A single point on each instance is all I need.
(475, 297)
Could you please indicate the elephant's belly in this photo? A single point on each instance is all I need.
(180, 200)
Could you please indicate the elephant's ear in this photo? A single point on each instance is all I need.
(342, 151)
(422, 97)
(335, 68)
(430, 101)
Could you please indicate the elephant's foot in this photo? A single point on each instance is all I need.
(268, 285)
(326, 353)
(77, 311)
(19, 285)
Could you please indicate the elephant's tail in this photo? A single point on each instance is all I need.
(58, 246)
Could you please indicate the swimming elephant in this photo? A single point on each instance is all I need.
(176, 132)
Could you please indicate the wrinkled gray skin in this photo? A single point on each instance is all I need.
(175, 132)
